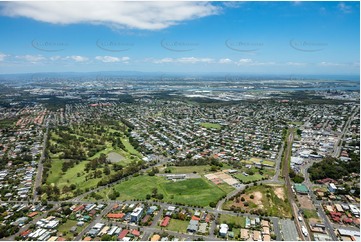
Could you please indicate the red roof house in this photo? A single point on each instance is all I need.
(165, 222)
(115, 215)
(123, 234)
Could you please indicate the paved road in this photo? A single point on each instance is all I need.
(39, 174)
(96, 220)
(276, 228)
(338, 146)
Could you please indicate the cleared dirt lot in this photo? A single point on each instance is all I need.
(305, 202)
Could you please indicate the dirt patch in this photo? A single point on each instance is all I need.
(305, 202)
(314, 220)
(258, 199)
(114, 157)
(280, 193)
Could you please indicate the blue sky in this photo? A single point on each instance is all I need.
(238, 37)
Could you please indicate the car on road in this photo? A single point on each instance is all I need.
(304, 231)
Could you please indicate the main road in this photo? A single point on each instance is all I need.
(39, 173)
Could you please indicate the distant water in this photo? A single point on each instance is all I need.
(355, 78)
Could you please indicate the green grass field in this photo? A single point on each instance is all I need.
(225, 187)
(211, 126)
(189, 169)
(199, 191)
(257, 176)
(70, 176)
(76, 175)
(225, 218)
(55, 171)
(129, 147)
(177, 225)
(310, 213)
(249, 178)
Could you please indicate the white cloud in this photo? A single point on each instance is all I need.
(2, 56)
(244, 61)
(250, 62)
(133, 15)
(344, 8)
(295, 64)
(31, 58)
(225, 61)
(164, 60)
(77, 58)
(55, 58)
(231, 4)
(194, 60)
(183, 60)
(112, 59)
(324, 63)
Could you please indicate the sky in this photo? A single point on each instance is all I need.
(289, 38)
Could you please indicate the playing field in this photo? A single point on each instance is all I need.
(199, 191)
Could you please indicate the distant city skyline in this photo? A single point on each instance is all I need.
(286, 38)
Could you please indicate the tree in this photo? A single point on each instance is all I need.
(154, 192)
(67, 211)
(106, 237)
(106, 170)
